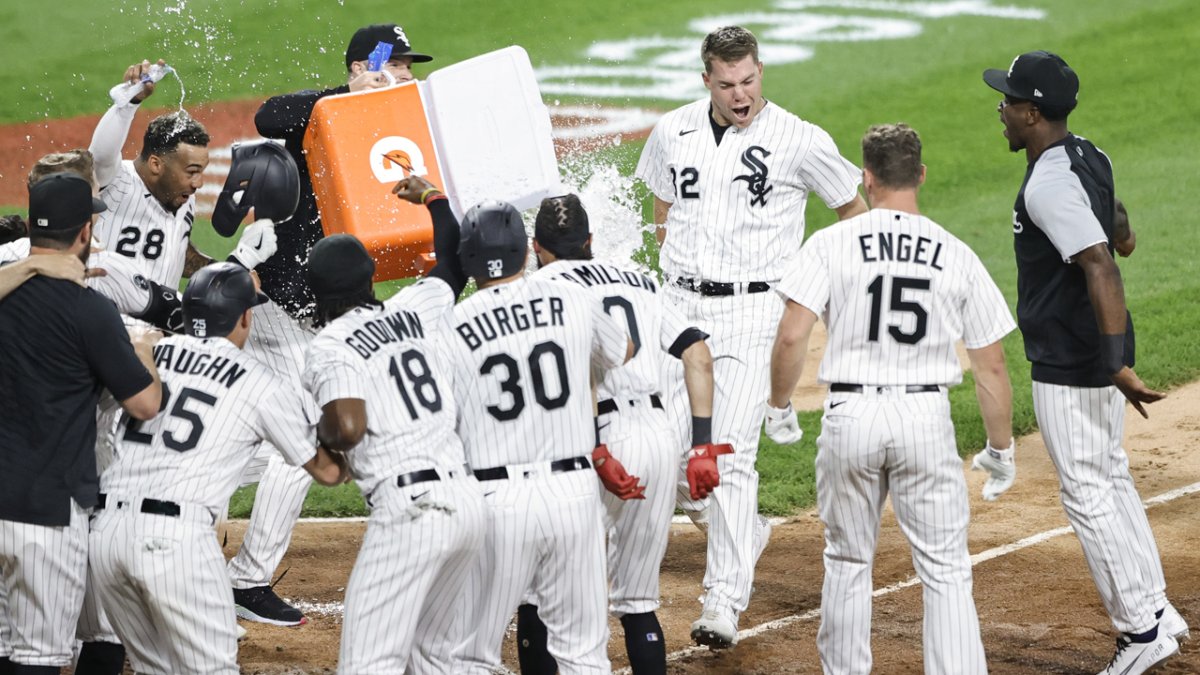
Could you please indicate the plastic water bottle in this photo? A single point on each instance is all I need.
(125, 92)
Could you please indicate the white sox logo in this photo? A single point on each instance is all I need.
(394, 158)
(756, 180)
(1018, 226)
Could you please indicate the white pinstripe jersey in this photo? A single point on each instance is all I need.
(137, 226)
(632, 299)
(389, 357)
(522, 352)
(737, 209)
(123, 282)
(896, 291)
(219, 404)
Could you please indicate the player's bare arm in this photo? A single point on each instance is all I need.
(343, 423)
(194, 260)
(994, 391)
(1107, 294)
(1124, 238)
(698, 378)
(66, 267)
(660, 219)
(854, 207)
(787, 356)
(144, 404)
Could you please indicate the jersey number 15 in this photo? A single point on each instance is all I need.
(900, 305)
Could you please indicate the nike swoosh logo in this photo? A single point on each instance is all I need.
(259, 243)
(489, 494)
(689, 131)
(416, 497)
(834, 405)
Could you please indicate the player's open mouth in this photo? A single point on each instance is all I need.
(742, 112)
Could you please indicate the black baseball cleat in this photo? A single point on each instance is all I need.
(261, 604)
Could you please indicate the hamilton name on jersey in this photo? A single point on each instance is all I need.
(498, 322)
(595, 274)
(179, 359)
(900, 247)
(395, 326)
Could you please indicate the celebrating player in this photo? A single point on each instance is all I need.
(730, 176)
(154, 558)
(1079, 338)
(887, 424)
(522, 348)
(385, 391)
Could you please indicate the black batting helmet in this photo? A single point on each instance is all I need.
(261, 175)
(215, 298)
(493, 244)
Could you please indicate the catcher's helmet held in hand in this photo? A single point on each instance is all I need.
(493, 244)
(215, 298)
(262, 175)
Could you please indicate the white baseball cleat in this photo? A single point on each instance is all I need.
(241, 632)
(1174, 624)
(714, 630)
(1133, 658)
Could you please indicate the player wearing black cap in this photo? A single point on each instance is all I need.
(1079, 338)
(63, 344)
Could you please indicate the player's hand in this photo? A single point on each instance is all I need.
(258, 243)
(135, 73)
(410, 189)
(614, 477)
(1125, 246)
(144, 337)
(1135, 390)
(702, 473)
(60, 266)
(371, 79)
(782, 425)
(1001, 466)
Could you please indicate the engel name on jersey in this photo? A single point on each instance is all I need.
(390, 358)
(737, 208)
(219, 404)
(136, 225)
(632, 299)
(522, 353)
(897, 292)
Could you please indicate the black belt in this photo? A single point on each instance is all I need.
(842, 388)
(154, 506)
(719, 288)
(557, 466)
(608, 405)
(414, 477)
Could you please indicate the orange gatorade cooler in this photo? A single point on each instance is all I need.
(357, 146)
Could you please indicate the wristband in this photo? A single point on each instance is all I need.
(701, 430)
(434, 198)
(427, 192)
(1112, 353)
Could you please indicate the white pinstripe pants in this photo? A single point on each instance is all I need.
(872, 444)
(42, 575)
(1083, 428)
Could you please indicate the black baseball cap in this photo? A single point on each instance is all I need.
(365, 39)
(561, 225)
(61, 201)
(339, 268)
(1041, 77)
(215, 298)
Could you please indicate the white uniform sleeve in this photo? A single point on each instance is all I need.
(123, 282)
(1059, 206)
(807, 282)
(834, 178)
(674, 324)
(609, 339)
(108, 139)
(14, 251)
(331, 374)
(286, 424)
(652, 166)
(431, 299)
(986, 317)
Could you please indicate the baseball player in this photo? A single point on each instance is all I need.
(634, 427)
(522, 349)
(384, 387)
(154, 558)
(283, 331)
(731, 175)
(1079, 338)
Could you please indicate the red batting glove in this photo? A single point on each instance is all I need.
(616, 480)
(702, 471)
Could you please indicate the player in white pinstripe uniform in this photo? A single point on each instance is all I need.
(522, 349)
(154, 555)
(897, 291)
(634, 426)
(731, 175)
(385, 389)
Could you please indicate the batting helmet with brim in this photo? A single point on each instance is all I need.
(493, 244)
(215, 298)
(262, 176)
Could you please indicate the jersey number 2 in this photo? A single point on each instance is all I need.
(898, 304)
(686, 187)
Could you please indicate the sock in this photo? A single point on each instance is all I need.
(101, 658)
(645, 644)
(532, 652)
(1149, 636)
(1159, 613)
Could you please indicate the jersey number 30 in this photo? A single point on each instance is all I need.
(511, 384)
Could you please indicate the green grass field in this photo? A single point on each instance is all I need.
(1137, 102)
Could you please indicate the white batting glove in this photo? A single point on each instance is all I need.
(1001, 464)
(258, 243)
(782, 425)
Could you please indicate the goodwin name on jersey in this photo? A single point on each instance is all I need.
(393, 327)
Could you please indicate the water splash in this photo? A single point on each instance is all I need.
(182, 90)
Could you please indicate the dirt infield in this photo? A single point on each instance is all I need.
(1038, 608)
